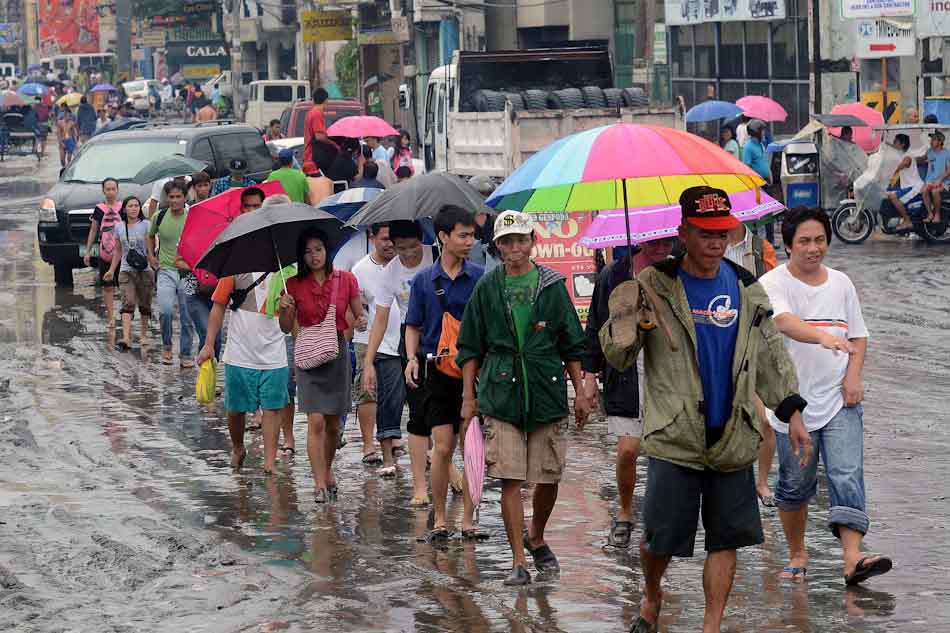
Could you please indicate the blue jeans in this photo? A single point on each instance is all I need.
(390, 397)
(199, 309)
(171, 290)
(840, 446)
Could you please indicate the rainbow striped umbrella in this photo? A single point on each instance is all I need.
(624, 167)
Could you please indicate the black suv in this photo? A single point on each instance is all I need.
(65, 212)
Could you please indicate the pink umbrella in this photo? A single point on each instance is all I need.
(360, 126)
(758, 107)
(208, 218)
(475, 460)
(653, 223)
(865, 137)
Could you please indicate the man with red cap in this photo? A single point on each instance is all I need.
(714, 350)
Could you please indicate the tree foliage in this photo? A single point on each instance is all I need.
(150, 8)
(346, 62)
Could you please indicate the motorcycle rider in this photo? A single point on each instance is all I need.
(938, 170)
(909, 182)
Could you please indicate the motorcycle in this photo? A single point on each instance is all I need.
(856, 217)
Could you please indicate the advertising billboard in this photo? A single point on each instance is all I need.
(68, 27)
(699, 11)
(559, 247)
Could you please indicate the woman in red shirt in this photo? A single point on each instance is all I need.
(323, 393)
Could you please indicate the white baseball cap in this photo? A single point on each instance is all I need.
(513, 223)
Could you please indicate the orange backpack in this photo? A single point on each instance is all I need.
(447, 348)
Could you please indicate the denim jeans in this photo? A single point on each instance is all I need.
(170, 291)
(199, 309)
(840, 446)
(390, 396)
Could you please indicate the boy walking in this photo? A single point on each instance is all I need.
(519, 331)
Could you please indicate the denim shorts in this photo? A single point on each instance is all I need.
(840, 446)
(247, 390)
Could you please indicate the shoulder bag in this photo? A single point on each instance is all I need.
(318, 344)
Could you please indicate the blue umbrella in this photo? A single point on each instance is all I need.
(344, 204)
(33, 90)
(712, 111)
(103, 88)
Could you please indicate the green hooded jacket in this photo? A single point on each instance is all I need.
(674, 424)
(488, 336)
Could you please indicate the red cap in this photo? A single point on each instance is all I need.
(708, 208)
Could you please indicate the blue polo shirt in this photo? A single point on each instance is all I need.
(425, 309)
(753, 155)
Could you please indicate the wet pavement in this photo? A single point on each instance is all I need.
(118, 511)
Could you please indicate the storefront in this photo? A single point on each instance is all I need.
(197, 61)
(746, 47)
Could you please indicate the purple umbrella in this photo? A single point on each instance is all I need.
(103, 88)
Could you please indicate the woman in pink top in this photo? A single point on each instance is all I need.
(323, 393)
(104, 219)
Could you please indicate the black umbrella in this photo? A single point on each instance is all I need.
(264, 241)
(420, 197)
(168, 167)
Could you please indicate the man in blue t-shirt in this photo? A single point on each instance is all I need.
(938, 170)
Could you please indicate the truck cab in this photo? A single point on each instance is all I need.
(267, 99)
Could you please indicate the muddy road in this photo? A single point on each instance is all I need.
(118, 511)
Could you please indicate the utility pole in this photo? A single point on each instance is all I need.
(236, 6)
(123, 36)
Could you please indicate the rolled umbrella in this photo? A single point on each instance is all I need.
(475, 461)
(168, 167)
(103, 88)
(344, 204)
(360, 126)
(265, 241)
(759, 107)
(712, 111)
(420, 197)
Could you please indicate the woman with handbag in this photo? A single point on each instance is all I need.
(318, 300)
(136, 279)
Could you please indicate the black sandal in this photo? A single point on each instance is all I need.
(544, 559)
(438, 535)
(372, 459)
(862, 572)
(619, 535)
(642, 626)
(475, 535)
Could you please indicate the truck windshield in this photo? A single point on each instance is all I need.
(121, 160)
(134, 86)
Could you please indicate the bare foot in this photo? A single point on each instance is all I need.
(237, 458)
(904, 226)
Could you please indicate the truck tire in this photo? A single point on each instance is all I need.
(517, 102)
(614, 97)
(566, 99)
(488, 101)
(635, 98)
(535, 99)
(63, 275)
(594, 97)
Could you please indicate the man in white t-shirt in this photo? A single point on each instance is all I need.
(384, 409)
(909, 182)
(412, 256)
(255, 355)
(818, 311)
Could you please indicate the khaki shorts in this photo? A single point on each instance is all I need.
(360, 395)
(136, 288)
(539, 459)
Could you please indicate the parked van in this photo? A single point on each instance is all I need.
(267, 99)
(293, 118)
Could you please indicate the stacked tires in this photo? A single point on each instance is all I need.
(564, 99)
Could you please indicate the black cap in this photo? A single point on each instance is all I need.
(937, 134)
(707, 208)
(238, 165)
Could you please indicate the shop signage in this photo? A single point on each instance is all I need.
(376, 38)
(659, 44)
(884, 37)
(852, 9)
(699, 11)
(326, 26)
(199, 7)
(933, 18)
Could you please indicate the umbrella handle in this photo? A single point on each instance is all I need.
(280, 266)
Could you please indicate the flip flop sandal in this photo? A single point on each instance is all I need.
(321, 496)
(288, 449)
(418, 502)
(544, 559)
(438, 535)
(475, 535)
(642, 626)
(619, 535)
(795, 572)
(372, 459)
(862, 572)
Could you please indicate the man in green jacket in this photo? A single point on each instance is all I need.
(518, 333)
(715, 349)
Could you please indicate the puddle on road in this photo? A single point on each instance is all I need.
(161, 531)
